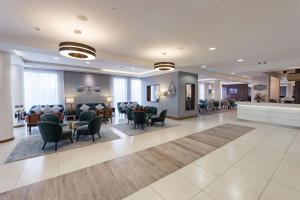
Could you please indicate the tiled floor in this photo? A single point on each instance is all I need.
(263, 164)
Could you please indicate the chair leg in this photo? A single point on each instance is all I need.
(143, 126)
(162, 124)
(93, 137)
(55, 146)
(44, 145)
(99, 135)
(77, 137)
(71, 139)
(111, 120)
(134, 126)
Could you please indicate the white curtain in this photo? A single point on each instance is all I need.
(201, 91)
(43, 87)
(136, 90)
(119, 90)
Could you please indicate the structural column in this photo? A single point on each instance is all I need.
(218, 91)
(289, 90)
(6, 124)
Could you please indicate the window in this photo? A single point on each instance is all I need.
(43, 87)
(119, 90)
(136, 90)
(201, 91)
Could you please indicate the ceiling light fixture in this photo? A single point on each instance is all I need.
(56, 58)
(232, 73)
(240, 60)
(82, 18)
(77, 50)
(164, 66)
(203, 66)
(164, 53)
(212, 48)
(77, 31)
(87, 62)
(37, 28)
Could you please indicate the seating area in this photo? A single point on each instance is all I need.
(209, 106)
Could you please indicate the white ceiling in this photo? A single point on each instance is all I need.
(135, 33)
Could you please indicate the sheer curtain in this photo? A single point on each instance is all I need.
(136, 90)
(43, 87)
(119, 90)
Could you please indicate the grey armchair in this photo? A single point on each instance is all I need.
(159, 118)
(85, 117)
(50, 117)
(92, 128)
(53, 132)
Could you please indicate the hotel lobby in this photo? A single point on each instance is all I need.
(150, 100)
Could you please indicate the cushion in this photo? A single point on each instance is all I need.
(37, 109)
(129, 105)
(84, 107)
(134, 104)
(46, 109)
(122, 105)
(99, 107)
(56, 109)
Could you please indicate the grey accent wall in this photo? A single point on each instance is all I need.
(185, 77)
(74, 79)
(169, 103)
(175, 105)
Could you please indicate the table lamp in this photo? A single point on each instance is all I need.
(109, 100)
(70, 100)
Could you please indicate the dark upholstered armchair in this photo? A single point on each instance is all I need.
(150, 110)
(129, 114)
(139, 118)
(50, 117)
(85, 117)
(53, 132)
(159, 118)
(91, 129)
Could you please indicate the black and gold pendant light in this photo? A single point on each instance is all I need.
(77, 50)
(164, 66)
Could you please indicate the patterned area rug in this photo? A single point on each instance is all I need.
(31, 146)
(129, 129)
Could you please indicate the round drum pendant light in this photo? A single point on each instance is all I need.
(77, 50)
(164, 66)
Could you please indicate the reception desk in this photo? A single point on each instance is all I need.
(276, 113)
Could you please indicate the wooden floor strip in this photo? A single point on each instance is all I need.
(120, 177)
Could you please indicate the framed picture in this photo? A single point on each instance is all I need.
(80, 88)
(97, 89)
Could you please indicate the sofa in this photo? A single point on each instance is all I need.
(122, 109)
(92, 106)
(33, 118)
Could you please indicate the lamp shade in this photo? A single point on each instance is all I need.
(109, 99)
(70, 100)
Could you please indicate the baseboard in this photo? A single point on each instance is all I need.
(181, 118)
(7, 140)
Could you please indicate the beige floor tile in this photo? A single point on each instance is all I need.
(212, 165)
(196, 175)
(202, 196)
(247, 180)
(38, 169)
(145, 194)
(224, 189)
(73, 160)
(9, 175)
(276, 191)
(287, 178)
(173, 187)
(257, 167)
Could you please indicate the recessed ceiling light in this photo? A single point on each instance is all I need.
(232, 73)
(244, 76)
(77, 31)
(88, 62)
(203, 66)
(56, 58)
(37, 28)
(212, 48)
(164, 53)
(180, 48)
(240, 60)
(82, 18)
(132, 68)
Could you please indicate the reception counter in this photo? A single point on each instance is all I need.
(276, 113)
